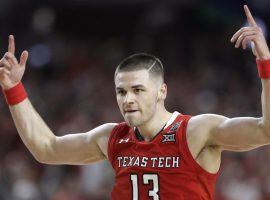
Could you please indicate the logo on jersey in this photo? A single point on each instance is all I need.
(152, 162)
(168, 138)
(175, 126)
(123, 140)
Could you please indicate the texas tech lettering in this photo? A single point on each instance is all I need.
(152, 162)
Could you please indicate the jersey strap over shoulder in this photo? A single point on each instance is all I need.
(162, 168)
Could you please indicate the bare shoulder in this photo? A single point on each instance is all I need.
(205, 122)
(198, 131)
(101, 135)
(103, 130)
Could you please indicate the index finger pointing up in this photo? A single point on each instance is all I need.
(11, 44)
(250, 19)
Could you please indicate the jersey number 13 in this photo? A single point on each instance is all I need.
(146, 180)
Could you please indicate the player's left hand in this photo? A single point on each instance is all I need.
(253, 33)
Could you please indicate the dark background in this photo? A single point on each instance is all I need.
(74, 47)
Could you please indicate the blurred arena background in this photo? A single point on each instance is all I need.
(74, 48)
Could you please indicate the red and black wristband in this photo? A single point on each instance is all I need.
(263, 68)
(15, 94)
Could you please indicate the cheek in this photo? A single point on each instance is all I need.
(150, 101)
(119, 102)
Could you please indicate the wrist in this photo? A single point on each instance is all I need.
(15, 94)
(7, 87)
(266, 57)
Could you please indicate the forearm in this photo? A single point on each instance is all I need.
(266, 104)
(35, 134)
(265, 97)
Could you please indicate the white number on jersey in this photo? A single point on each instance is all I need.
(146, 180)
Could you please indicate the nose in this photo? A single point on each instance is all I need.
(129, 98)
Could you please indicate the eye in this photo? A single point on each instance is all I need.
(137, 90)
(121, 92)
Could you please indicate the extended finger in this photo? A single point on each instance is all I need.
(11, 44)
(242, 36)
(240, 31)
(11, 58)
(250, 18)
(247, 40)
(23, 59)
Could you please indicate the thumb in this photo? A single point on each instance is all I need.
(23, 59)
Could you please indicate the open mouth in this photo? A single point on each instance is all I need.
(131, 111)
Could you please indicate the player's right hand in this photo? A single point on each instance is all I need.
(11, 71)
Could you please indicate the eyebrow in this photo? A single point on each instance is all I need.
(137, 86)
(134, 86)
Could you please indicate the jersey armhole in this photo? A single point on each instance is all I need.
(199, 169)
(110, 144)
(111, 141)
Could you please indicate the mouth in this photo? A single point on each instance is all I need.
(130, 111)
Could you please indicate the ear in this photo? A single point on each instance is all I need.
(162, 92)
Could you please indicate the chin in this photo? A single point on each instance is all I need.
(133, 123)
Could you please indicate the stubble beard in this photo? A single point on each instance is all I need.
(133, 122)
(138, 121)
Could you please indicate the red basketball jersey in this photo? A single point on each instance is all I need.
(162, 168)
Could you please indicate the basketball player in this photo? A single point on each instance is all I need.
(155, 154)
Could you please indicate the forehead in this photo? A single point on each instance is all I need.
(130, 78)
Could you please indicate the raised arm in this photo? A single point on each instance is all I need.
(80, 148)
(244, 133)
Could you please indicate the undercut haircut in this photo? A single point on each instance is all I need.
(142, 61)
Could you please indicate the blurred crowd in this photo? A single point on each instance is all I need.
(74, 49)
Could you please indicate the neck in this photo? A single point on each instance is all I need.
(152, 127)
